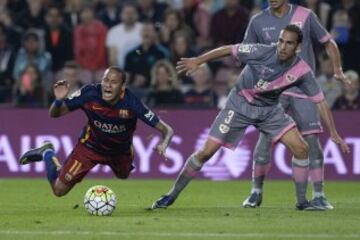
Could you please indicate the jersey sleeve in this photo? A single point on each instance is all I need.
(143, 112)
(311, 88)
(250, 33)
(251, 53)
(78, 99)
(318, 32)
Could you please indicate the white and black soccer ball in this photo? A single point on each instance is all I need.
(100, 200)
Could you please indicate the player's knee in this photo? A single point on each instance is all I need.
(60, 189)
(122, 175)
(301, 151)
(58, 192)
(316, 155)
(203, 155)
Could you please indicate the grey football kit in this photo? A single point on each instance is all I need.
(265, 28)
(255, 98)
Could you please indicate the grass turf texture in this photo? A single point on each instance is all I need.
(205, 210)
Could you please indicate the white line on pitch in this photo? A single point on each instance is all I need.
(185, 234)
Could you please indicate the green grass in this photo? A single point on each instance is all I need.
(205, 210)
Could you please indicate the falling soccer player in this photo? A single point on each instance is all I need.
(254, 100)
(112, 112)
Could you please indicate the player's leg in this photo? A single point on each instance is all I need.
(316, 158)
(122, 164)
(77, 165)
(190, 169)
(300, 163)
(227, 130)
(261, 167)
(46, 152)
(262, 163)
(307, 119)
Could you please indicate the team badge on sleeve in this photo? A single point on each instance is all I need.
(149, 115)
(75, 94)
(245, 48)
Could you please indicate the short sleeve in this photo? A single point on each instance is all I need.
(311, 88)
(78, 98)
(141, 111)
(318, 32)
(252, 53)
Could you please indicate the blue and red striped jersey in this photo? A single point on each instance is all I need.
(110, 128)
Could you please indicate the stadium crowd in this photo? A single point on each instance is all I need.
(42, 41)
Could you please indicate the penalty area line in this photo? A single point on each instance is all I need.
(186, 234)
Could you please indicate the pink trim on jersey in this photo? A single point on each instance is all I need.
(247, 94)
(300, 16)
(291, 76)
(234, 50)
(285, 130)
(296, 95)
(217, 140)
(325, 38)
(315, 131)
(317, 98)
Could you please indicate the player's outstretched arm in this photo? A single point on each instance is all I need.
(189, 65)
(58, 107)
(167, 133)
(327, 117)
(335, 57)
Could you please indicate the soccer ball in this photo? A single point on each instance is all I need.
(100, 200)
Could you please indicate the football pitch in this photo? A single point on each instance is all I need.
(205, 210)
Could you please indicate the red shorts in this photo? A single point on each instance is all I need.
(82, 159)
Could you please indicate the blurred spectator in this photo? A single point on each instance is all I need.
(31, 53)
(164, 89)
(89, 44)
(151, 10)
(32, 16)
(173, 22)
(140, 60)
(228, 25)
(321, 9)
(201, 24)
(350, 100)
(223, 88)
(58, 39)
(109, 15)
(341, 26)
(123, 37)
(330, 86)
(351, 51)
(71, 73)
(72, 13)
(201, 95)
(7, 58)
(180, 48)
(13, 32)
(28, 90)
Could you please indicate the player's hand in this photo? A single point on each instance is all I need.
(187, 65)
(61, 89)
(340, 76)
(161, 149)
(339, 141)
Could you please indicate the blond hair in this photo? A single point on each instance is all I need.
(170, 70)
